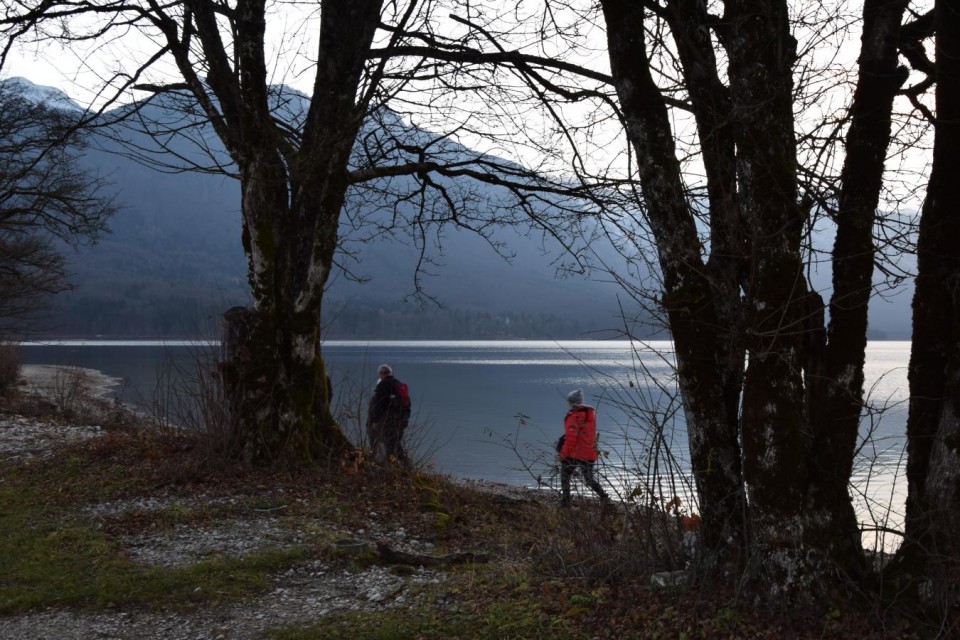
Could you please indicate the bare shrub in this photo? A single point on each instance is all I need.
(76, 395)
(68, 392)
(9, 366)
(652, 525)
(646, 529)
(611, 544)
(190, 397)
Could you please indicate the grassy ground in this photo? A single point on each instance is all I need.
(555, 574)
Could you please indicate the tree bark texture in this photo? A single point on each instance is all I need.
(292, 195)
(788, 512)
(932, 546)
(705, 362)
(834, 375)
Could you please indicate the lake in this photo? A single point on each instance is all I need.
(493, 409)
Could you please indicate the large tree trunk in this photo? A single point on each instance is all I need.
(706, 362)
(834, 374)
(722, 329)
(291, 204)
(802, 391)
(283, 410)
(762, 53)
(931, 551)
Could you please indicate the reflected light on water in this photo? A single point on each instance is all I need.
(469, 394)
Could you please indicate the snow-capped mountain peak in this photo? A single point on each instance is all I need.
(40, 94)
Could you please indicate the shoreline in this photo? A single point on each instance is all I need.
(150, 509)
(52, 381)
(90, 393)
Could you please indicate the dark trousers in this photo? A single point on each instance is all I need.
(567, 468)
(392, 438)
(389, 433)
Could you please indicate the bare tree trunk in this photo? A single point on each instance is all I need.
(775, 449)
(802, 390)
(725, 269)
(705, 366)
(931, 552)
(834, 376)
(291, 204)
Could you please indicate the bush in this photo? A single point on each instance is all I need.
(9, 366)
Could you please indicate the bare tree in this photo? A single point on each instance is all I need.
(771, 375)
(296, 166)
(46, 203)
(772, 394)
(930, 557)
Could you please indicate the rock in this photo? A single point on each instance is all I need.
(666, 579)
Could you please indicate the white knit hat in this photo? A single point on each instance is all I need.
(575, 397)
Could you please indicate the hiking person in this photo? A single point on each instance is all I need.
(577, 447)
(388, 415)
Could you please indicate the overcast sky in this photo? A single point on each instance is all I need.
(292, 28)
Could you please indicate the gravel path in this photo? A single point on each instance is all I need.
(300, 596)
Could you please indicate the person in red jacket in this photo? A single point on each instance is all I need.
(577, 447)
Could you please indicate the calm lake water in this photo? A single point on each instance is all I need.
(492, 410)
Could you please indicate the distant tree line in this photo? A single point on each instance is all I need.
(161, 316)
(369, 320)
(178, 316)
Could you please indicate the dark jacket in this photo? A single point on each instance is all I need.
(385, 405)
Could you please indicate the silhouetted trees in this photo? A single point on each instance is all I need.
(297, 159)
(930, 557)
(46, 204)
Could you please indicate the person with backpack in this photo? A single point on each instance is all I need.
(577, 447)
(388, 415)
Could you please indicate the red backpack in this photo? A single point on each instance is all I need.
(402, 400)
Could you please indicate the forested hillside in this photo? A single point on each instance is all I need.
(173, 263)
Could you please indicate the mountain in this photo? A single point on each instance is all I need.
(41, 94)
(173, 262)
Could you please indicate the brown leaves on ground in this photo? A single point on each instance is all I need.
(544, 556)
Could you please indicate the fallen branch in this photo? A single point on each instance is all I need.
(392, 556)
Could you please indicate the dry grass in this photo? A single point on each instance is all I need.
(580, 573)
